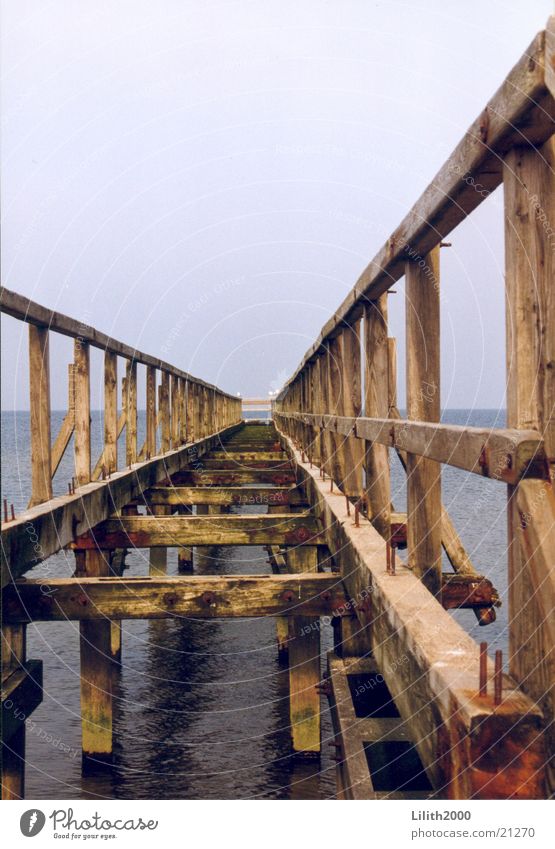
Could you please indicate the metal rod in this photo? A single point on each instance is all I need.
(13, 512)
(5, 509)
(498, 677)
(483, 689)
(348, 505)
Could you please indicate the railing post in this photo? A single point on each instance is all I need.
(529, 188)
(351, 450)
(110, 412)
(151, 411)
(131, 412)
(39, 386)
(164, 407)
(82, 433)
(423, 404)
(376, 404)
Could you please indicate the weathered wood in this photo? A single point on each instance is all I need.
(110, 457)
(21, 695)
(82, 432)
(376, 399)
(461, 591)
(150, 444)
(13, 745)
(247, 529)
(175, 429)
(423, 393)
(130, 401)
(522, 111)
(223, 477)
(238, 495)
(185, 563)
(96, 673)
(248, 465)
(452, 727)
(43, 530)
(66, 429)
(95, 600)
(158, 557)
(39, 395)
(304, 663)
(97, 471)
(529, 185)
(350, 450)
(164, 407)
(22, 308)
(248, 456)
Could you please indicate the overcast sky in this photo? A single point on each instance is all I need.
(206, 180)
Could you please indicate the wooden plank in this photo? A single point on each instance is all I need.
(150, 444)
(45, 529)
(110, 457)
(172, 531)
(238, 495)
(96, 674)
(530, 326)
(91, 600)
(247, 465)
(22, 308)
(247, 456)
(82, 432)
(376, 400)
(39, 397)
(521, 112)
(423, 393)
(470, 747)
(175, 427)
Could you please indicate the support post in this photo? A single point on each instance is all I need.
(151, 411)
(423, 404)
(96, 675)
(304, 664)
(13, 750)
(351, 449)
(529, 186)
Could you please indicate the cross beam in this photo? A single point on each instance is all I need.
(205, 597)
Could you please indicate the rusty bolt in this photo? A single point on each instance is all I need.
(326, 596)
(170, 599)
(208, 598)
(288, 595)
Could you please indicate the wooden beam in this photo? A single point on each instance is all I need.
(502, 454)
(223, 477)
(238, 495)
(82, 437)
(486, 751)
(164, 408)
(39, 396)
(47, 528)
(95, 601)
(173, 531)
(247, 456)
(423, 393)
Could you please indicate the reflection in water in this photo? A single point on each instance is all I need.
(201, 709)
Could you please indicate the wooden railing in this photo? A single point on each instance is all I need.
(320, 408)
(179, 410)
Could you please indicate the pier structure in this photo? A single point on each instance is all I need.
(419, 708)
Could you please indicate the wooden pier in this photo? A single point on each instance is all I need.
(419, 708)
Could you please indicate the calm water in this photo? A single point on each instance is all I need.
(201, 707)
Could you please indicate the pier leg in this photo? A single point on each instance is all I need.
(96, 677)
(13, 750)
(304, 664)
(185, 554)
(159, 556)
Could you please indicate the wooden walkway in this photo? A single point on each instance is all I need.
(419, 708)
